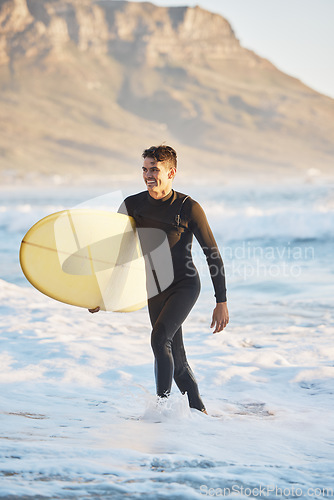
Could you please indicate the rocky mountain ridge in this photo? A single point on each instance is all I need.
(87, 84)
(141, 31)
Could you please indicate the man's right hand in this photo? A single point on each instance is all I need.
(95, 310)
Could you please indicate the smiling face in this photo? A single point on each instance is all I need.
(158, 177)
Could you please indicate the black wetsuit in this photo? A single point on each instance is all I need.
(180, 217)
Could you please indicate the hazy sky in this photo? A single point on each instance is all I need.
(295, 35)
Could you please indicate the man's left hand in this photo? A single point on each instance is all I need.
(220, 317)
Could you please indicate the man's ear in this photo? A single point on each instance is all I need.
(172, 173)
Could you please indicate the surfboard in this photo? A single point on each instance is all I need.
(90, 258)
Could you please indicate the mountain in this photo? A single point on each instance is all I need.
(86, 85)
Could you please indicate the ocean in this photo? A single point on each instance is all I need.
(77, 405)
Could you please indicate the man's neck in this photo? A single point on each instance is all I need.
(159, 196)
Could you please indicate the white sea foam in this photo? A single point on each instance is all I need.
(80, 419)
(78, 408)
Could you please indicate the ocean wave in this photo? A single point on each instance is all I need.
(237, 218)
(227, 225)
(251, 222)
(20, 218)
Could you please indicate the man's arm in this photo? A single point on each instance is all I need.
(122, 209)
(200, 227)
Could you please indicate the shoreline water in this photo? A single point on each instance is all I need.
(78, 397)
(77, 400)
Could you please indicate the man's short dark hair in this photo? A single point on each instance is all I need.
(162, 153)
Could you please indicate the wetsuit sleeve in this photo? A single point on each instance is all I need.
(124, 208)
(200, 227)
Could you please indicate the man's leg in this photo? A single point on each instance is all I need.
(168, 310)
(183, 374)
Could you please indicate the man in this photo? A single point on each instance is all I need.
(180, 218)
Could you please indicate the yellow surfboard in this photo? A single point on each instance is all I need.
(87, 258)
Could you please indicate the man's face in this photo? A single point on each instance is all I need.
(157, 176)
